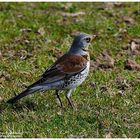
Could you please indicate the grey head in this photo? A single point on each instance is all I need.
(80, 44)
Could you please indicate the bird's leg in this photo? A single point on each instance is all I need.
(57, 95)
(68, 94)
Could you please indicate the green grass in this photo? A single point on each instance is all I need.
(99, 111)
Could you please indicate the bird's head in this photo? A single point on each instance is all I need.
(81, 43)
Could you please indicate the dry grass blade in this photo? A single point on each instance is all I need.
(73, 14)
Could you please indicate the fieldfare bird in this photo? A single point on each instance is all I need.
(68, 72)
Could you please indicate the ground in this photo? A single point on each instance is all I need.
(34, 35)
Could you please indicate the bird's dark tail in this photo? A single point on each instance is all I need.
(21, 95)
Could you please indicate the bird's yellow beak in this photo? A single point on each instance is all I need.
(93, 37)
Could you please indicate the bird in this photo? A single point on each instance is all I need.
(68, 72)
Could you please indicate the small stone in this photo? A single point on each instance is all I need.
(41, 31)
(26, 30)
(121, 93)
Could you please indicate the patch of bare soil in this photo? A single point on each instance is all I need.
(131, 65)
(103, 61)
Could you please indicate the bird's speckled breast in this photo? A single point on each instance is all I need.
(74, 80)
(77, 79)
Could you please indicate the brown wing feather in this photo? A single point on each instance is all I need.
(66, 65)
(71, 64)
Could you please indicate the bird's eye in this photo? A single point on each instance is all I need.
(87, 40)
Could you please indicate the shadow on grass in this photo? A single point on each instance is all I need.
(18, 107)
(3, 106)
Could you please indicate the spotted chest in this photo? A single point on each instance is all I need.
(72, 81)
(77, 79)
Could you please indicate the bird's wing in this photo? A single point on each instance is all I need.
(68, 64)
(64, 67)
